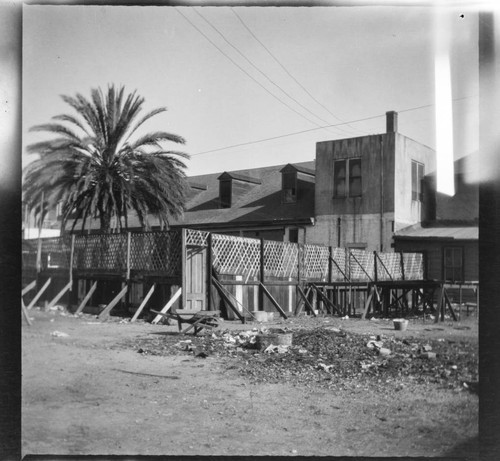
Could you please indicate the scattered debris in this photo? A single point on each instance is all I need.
(384, 351)
(428, 355)
(59, 334)
(328, 357)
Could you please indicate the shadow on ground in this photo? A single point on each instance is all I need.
(468, 450)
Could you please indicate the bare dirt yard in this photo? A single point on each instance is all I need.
(114, 387)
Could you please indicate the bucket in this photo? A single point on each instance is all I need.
(276, 339)
(400, 324)
(260, 316)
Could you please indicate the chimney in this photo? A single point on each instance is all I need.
(392, 121)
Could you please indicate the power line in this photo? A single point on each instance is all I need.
(288, 72)
(258, 69)
(243, 70)
(315, 129)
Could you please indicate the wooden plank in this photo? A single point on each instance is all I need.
(448, 303)
(368, 303)
(326, 301)
(37, 297)
(143, 304)
(168, 305)
(86, 299)
(273, 301)
(226, 299)
(28, 288)
(25, 312)
(60, 294)
(71, 256)
(306, 301)
(440, 304)
(113, 303)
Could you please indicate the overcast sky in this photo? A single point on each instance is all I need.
(232, 76)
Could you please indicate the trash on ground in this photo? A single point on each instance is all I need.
(59, 334)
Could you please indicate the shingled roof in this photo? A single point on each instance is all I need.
(260, 204)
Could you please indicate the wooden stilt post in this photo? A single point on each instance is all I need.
(440, 303)
(262, 276)
(368, 303)
(60, 294)
(209, 272)
(25, 312)
(303, 300)
(113, 303)
(165, 309)
(143, 304)
(127, 274)
(86, 299)
(37, 297)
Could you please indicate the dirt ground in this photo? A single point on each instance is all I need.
(96, 391)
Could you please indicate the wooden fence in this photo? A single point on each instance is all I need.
(255, 272)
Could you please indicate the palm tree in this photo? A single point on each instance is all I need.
(96, 171)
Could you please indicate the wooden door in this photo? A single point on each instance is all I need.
(195, 278)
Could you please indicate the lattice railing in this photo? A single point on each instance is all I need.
(280, 259)
(197, 237)
(161, 252)
(156, 252)
(389, 266)
(101, 252)
(236, 255)
(361, 265)
(340, 267)
(315, 262)
(413, 266)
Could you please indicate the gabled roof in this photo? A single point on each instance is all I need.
(439, 231)
(299, 168)
(239, 177)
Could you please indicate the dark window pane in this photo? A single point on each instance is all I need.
(355, 177)
(339, 178)
(225, 194)
(340, 188)
(289, 182)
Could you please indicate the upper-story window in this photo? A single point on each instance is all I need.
(355, 177)
(417, 175)
(289, 186)
(225, 193)
(347, 178)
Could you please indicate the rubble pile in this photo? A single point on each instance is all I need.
(331, 357)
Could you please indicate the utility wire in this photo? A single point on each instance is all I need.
(315, 129)
(288, 72)
(258, 69)
(243, 70)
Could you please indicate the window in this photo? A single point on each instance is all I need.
(293, 235)
(453, 264)
(417, 175)
(225, 193)
(289, 187)
(344, 183)
(339, 176)
(355, 177)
